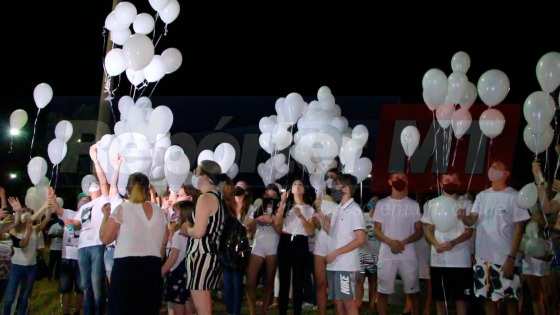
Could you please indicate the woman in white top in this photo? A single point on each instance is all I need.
(139, 229)
(23, 271)
(295, 226)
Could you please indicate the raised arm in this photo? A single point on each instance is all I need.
(279, 218)
(114, 188)
(99, 171)
(3, 200)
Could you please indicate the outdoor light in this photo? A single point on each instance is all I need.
(369, 176)
(13, 175)
(14, 132)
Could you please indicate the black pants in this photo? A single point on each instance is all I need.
(292, 252)
(55, 256)
(136, 286)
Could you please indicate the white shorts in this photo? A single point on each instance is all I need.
(321, 244)
(535, 267)
(387, 271)
(265, 246)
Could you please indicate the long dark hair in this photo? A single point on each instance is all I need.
(308, 193)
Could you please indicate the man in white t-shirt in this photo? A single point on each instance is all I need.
(347, 234)
(397, 227)
(499, 224)
(450, 260)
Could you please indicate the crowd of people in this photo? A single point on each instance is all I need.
(213, 239)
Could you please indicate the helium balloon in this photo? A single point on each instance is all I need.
(158, 4)
(161, 120)
(177, 167)
(444, 113)
(362, 169)
(60, 202)
(18, 119)
(172, 58)
(410, 139)
(224, 155)
(87, 181)
(434, 84)
(527, 197)
(460, 62)
(491, 123)
(469, 96)
(233, 171)
(144, 102)
(539, 109)
(125, 12)
(57, 151)
(143, 24)
(548, 71)
(538, 142)
(119, 37)
(36, 169)
(42, 94)
(267, 123)
(125, 102)
(135, 77)
(360, 133)
(493, 87)
(115, 62)
(138, 51)
(63, 130)
(170, 12)
(112, 23)
(155, 70)
(456, 85)
(205, 155)
(461, 122)
(443, 211)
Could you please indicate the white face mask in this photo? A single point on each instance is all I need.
(194, 181)
(330, 183)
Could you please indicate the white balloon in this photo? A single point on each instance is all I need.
(170, 12)
(143, 23)
(461, 122)
(144, 102)
(233, 171)
(36, 169)
(63, 130)
(136, 150)
(444, 113)
(443, 211)
(469, 97)
(42, 94)
(125, 103)
(160, 186)
(139, 51)
(360, 133)
(205, 155)
(135, 77)
(87, 181)
(172, 58)
(125, 12)
(340, 123)
(115, 62)
(60, 202)
(155, 70)
(410, 139)
(57, 151)
(362, 169)
(434, 84)
(527, 196)
(538, 142)
(281, 138)
(292, 108)
(158, 4)
(177, 167)
(161, 120)
(317, 181)
(456, 86)
(493, 87)
(539, 109)
(18, 119)
(548, 71)
(36, 197)
(119, 37)
(267, 123)
(120, 128)
(112, 23)
(491, 122)
(224, 155)
(460, 62)
(265, 141)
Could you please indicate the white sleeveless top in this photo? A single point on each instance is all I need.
(138, 236)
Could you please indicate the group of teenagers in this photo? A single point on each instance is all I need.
(123, 254)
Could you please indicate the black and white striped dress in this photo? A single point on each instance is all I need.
(204, 270)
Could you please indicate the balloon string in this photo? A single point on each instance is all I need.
(455, 152)
(33, 136)
(489, 156)
(11, 144)
(51, 181)
(449, 142)
(153, 89)
(144, 88)
(436, 149)
(56, 177)
(155, 23)
(475, 162)
(444, 296)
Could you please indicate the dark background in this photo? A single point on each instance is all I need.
(253, 50)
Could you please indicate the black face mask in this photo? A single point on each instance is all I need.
(239, 191)
(399, 185)
(337, 195)
(451, 188)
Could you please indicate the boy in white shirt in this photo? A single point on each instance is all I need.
(450, 261)
(499, 228)
(397, 226)
(347, 234)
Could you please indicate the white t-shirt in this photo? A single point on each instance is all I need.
(460, 255)
(179, 242)
(90, 216)
(26, 256)
(55, 233)
(398, 218)
(497, 214)
(347, 220)
(265, 232)
(372, 245)
(70, 238)
(138, 236)
(292, 224)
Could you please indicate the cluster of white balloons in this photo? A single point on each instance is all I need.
(273, 169)
(224, 155)
(57, 148)
(137, 56)
(539, 107)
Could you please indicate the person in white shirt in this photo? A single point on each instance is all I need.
(397, 227)
(450, 262)
(295, 227)
(139, 228)
(499, 224)
(346, 235)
